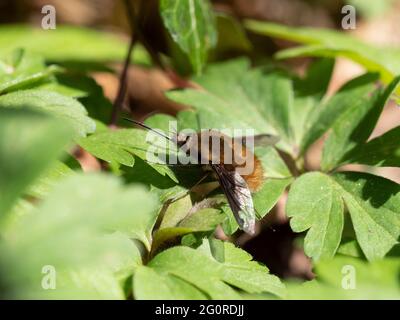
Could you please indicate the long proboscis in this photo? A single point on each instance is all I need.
(141, 124)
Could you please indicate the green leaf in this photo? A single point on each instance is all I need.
(314, 203)
(309, 92)
(176, 212)
(182, 218)
(350, 248)
(203, 220)
(29, 143)
(329, 43)
(348, 278)
(278, 103)
(120, 146)
(200, 269)
(87, 91)
(380, 274)
(191, 24)
(195, 268)
(62, 107)
(231, 36)
(101, 282)
(276, 179)
(152, 285)
(74, 231)
(354, 126)
(248, 106)
(285, 108)
(162, 122)
(242, 272)
(325, 116)
(49, 179)
(23, 70)
(69, 43)
(383, 151)
(375, 215)
(316, 200)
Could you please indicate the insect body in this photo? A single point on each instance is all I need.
(232, 163)
(236, 168)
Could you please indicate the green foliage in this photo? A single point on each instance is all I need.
(65, 108)
(138, 229)
(192, 26)
(25, 143)
(84, 245)
(120, 146)
(316, 202)
(21, 70)
(329, 43)
(181, 270)
(68, 44)
(372, 9)
(350, 278)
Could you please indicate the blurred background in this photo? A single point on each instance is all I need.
(377, 23)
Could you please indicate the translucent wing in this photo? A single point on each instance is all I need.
(239, 197)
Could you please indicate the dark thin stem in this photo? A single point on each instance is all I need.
(123, 85)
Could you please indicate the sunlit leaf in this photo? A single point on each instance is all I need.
(191, 24)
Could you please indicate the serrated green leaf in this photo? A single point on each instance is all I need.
(196, 268)
(375, 215)
(74, 230)
(62, 107)
(191, 24)
(249, 104)
(315, 202)
(122, 145)
(216, 108)
(200, 269)
(29, 143)
(244, 273)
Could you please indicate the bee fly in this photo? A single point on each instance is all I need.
(231, 161)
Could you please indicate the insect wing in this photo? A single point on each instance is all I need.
(239, 197)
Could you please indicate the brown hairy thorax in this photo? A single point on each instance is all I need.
(239, 155)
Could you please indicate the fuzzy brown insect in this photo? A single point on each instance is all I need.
(233, 164)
